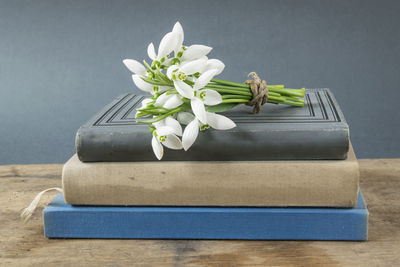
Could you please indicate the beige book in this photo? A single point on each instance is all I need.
(329, 183)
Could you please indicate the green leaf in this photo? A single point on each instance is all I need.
(222, 107)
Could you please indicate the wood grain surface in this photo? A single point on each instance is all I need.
(25, 245)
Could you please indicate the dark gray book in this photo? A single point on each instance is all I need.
(279, 132)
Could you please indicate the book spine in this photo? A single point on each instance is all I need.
(277, 143)
(332, 183)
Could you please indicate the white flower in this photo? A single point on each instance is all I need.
(219, 122)
(199, 97)
(168, 101)
(184, 117)
(179, 39)
(142, 85)
(147, 87)
(215, 64)
(166, 134)
(140, 72)
(135, 66)
(183, 71)
(215, 121)
(190, 134)
(144, 105)
(194, 52)
(167, 45)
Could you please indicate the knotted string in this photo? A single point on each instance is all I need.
(260, 92)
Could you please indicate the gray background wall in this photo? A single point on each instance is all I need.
(60, 61)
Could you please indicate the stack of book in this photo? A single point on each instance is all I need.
(286, 173)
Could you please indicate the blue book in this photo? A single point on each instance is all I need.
(62, 220)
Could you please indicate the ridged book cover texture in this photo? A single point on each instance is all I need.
(316, 131)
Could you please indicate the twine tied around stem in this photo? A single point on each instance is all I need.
(260, 92)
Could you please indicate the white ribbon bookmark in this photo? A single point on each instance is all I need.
(27, 212)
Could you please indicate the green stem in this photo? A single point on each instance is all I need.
(162, 77)
(153, 82)
(235, 96)
(293, 103)
(280, 99)
(230, 83)
(161, 117)
(230, 91)
(272, 93)
(295, 99)
(214, 85)
(290, 92)
(235, 101)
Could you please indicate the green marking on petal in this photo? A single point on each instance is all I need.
(155, 64)
(182, 76)
(163, 138)
(204, 127)
(175, 61)
(202, 95)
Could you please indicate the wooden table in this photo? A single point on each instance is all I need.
(24, 244)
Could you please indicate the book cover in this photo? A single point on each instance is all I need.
(65, 221)
(316, 131)
(329, 183)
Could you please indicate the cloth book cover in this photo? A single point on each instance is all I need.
(316, 131)
(65, 221)
(329, 183)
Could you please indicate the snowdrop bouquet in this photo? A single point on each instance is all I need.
(184, 92)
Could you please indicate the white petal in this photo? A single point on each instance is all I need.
(167, 44)
(179, 30)
(212, 97)
(219, 122)
(204, 79)
(172, 142)
(190, 134)
(195, 52)
(199, 109)
(162, 89)
(174, 124)
(167, 62)
(157, 148)
(184, 89)
(135, 66)
(164, 131)
(185, 117)
(145, 102)
(215, 64)
(194, 66)
(173, 102)
(159, 124)
(170, 70)
(142, 85)
(160, 101)
(151, 52)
